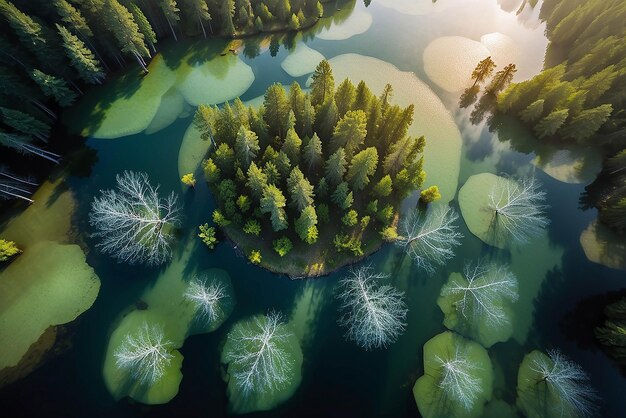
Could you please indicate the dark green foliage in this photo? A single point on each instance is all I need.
(612, 335)
(282, 246)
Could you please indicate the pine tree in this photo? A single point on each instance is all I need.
(24, 123)
(322, 84)
(273, 202)
(257, 180)
(313, 153)
(362, 167)
(297, 100)
(277, 109)
(282, 10)
(198, 9)
(246, 146)
(336, 167)
(227, 125)
(73, 18)
(170, 11)
(342, 196)
(549, 125)
(344, 96)
(584, 125)
(292, 146)
(144, 26)
(54, 87)
(326, 119)
(225, 158)
(350, 132)
(227, 12)
(306, 225)
(502, 79)
(384, 187)
(81, 57)
(300, 189)
(533, 112)
(483, 71)
(204, 121)
(121, 23)
(363, 97)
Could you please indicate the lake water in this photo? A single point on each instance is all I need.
(138, 124)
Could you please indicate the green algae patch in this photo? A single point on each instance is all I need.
(49, 218)
(192, 151)
(307, 308)
(170, 109)
(357, 23)
(571, 166)
(301, 61)
(119, 382)
(474, 204)
(433, 393)
(442, 154)
(168, 308)
(485, 328)
(216, 81)
(603, 246)
(49, 284)
(276, 380)
(131, 111)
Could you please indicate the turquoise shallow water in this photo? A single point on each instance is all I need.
(338, 378)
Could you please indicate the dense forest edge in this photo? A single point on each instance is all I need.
(330, 168)
(51, 50)
(579, 98)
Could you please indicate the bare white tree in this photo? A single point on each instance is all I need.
(373, 314)
(562, 387)
(518, 209)
(13, 186)
(258, 361)
(483, 290)
(429, 238)
(23, 145)
(207, 296)
(133, 223)
(459, 381)
(145, 354)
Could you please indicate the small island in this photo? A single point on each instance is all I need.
(311, 181)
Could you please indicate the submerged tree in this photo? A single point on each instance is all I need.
(459, 381)
(134, 223)
(553, 386)
(518, 209)
(257, 354)
(476, 303)
(429, 238)
(145, 355)
(207, 296)
(374, 315)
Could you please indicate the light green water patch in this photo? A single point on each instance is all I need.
(358, 22)
(49, 218)
(531, 264)
(414, 7)
(307, 308)
(168, 307)
(301, 61)
(450, 60)
(442, 154)
(119, 382)
(499, 409)
(482, 328)
(603, 246)
(172, 105)
(571, 166)
(49, 284)
(192, 151)
(133, 111)
(474, 204)
(472, 359)
(278, 356)
(216, 81)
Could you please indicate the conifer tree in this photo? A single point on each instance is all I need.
(344, 96)
(25, 123)
(312, 153)
(362, 167)
(342, 196)
(350, 132)
(363, 97)
(54, 87)
(72, 17)
(326, 119)
(227, 12)
(273, 202)
(306, 225)
(82, 59)
(121, 23)
(322, 84)
(199, 10)
(384, 187)
(549, 125)
(227, 125)
(502, 79)
(336, 167)
(533, 112)
(300, 189)
(144, 26)
(246, 146)
(292, 146)
(483, 71)
(257, 180)
(277, 109)
(584, 125)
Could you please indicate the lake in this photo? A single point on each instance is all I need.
(426, 51)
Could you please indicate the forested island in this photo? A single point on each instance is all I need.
(310, 182)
